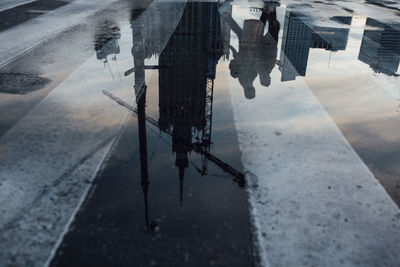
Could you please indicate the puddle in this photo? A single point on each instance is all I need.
(200, 108)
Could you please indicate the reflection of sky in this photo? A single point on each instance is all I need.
(341, 68)
(298, 167)
(66, 129)
(317, 58)
(343, 63)
(365, 105)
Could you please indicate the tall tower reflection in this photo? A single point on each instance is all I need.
(145, 44)
(380, 47)
(187, 69)
(139, 55)
(191, 56)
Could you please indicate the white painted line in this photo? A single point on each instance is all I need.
(50, 157)
(8, 4)
(104, 154)
(316, 204)
(26, 36)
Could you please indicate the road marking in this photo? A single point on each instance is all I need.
(316, 203)
(49, 155)
(8, 4)
(38, 30)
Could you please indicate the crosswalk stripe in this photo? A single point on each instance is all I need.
(8, 4)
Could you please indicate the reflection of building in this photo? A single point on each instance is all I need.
(342, 19)
(380, 47)
(153, 34)
(186, 81)
(190, 58)
(299, 36)
(296, 42)
(328, 38)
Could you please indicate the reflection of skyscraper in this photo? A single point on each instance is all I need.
(296, 41)
(328, 38)
(343, 19)
(189, 59)
(147, 40)
(182, 113)
(299, 37)
(380, 47)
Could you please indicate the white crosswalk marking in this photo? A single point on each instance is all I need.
(50, 157)
(38, 30)
(8, 4)
(316, 203)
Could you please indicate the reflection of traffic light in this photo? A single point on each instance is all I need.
(106, 40)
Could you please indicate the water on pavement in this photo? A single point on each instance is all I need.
(189, 134)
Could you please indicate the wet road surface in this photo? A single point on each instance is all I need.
(200, 134)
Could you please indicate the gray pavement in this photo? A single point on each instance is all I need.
(307, 94)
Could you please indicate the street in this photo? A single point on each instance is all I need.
(199, 133)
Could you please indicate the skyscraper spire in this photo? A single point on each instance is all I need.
(181, 178)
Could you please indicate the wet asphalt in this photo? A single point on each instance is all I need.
(152, 214)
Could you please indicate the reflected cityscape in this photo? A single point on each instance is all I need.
(187, 69)
(299, 36)
(200, 133)
(380, 47)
